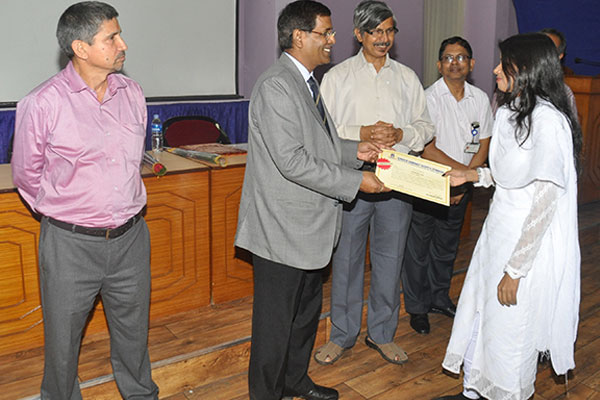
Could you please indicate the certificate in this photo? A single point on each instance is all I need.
(414, 176)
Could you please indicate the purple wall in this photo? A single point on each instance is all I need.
(409, 41)
(258, 35)
(257, 41)
(486, 21)
(408, 44)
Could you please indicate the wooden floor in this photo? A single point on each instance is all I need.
(204, 354)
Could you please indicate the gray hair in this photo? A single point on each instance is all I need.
(82, 21)
(368, 14)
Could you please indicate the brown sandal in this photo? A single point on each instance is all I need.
(329, 353)
(389, 351)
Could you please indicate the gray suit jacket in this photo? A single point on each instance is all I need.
(295, 180)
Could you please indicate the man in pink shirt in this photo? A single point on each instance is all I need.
(79, 141)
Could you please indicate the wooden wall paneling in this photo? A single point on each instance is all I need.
(232, 268)
(20, 310)
(587, 97)
(178, 220)
(177, 217)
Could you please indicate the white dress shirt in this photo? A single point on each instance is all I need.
(306, 74)
(453, 119)
(357, 95)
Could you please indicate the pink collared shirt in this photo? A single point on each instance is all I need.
(76, 159)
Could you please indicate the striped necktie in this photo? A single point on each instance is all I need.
(318, 101)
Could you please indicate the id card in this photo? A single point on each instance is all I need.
(472, 148)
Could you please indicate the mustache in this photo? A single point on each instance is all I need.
(382, 44)
(121, 54)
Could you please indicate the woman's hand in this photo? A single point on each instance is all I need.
(507, 290)
(460, 176)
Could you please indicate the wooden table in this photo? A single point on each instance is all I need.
(192, 217)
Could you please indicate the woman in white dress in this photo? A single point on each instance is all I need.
(521, 292)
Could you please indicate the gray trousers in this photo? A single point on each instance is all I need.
(74, 269)
(430, 253)
(388, 217)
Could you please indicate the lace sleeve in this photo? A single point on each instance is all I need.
(485, 177)
(545, 197)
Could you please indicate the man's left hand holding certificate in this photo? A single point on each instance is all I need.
(414, 176)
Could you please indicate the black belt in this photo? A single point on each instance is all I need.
(108, 233)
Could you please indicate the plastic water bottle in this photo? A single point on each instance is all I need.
(157, 136)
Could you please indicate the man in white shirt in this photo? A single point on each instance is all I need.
(463, 125)
(559, 40)
(372, 97)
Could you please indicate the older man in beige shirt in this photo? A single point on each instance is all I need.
(372, 97)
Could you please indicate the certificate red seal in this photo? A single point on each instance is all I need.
(384, 163)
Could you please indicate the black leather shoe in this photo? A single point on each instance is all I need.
(316, 393)
(420, 323)
(448, 311)
(459, 396)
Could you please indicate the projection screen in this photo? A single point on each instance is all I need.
(177, 48)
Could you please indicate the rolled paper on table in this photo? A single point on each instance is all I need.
(156, 166)
(199, 155)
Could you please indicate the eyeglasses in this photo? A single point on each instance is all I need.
(449, 58)
(327, 34)
(381, 32)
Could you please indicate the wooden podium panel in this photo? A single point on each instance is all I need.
(178, 219)
(20, 311)
(587, 97)
(232, 268)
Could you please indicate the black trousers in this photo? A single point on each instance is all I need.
(285, 316)
(430, 252)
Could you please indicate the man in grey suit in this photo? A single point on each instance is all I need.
(298, 174)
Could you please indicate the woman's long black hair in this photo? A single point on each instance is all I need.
(531, 61)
